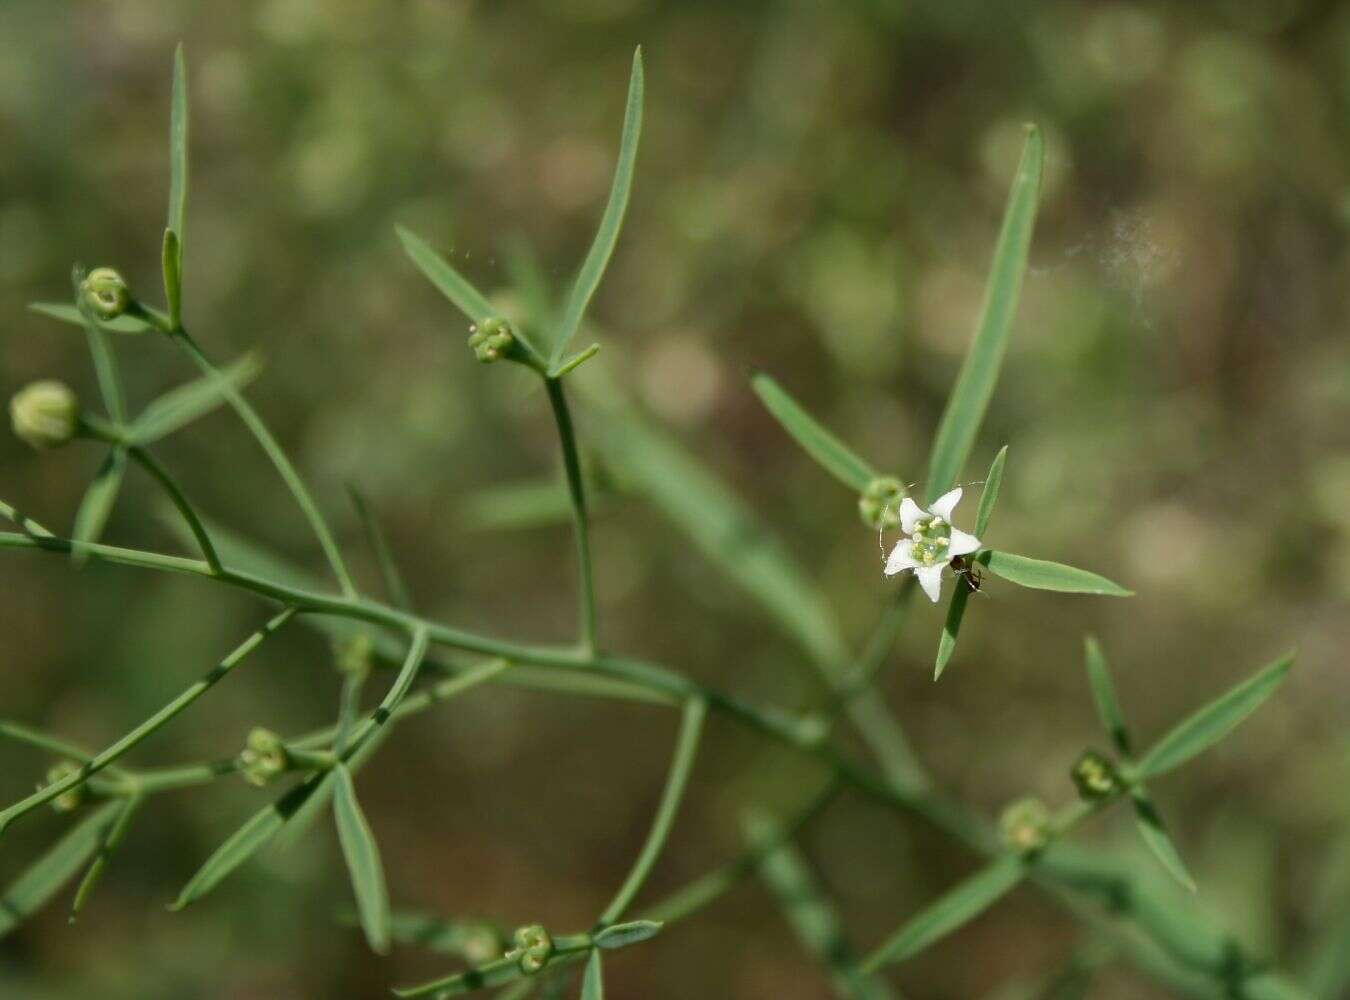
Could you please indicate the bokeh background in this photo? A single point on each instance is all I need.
(818, 193)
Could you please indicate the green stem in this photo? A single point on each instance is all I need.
(175, 493)
(102, 759)
(283, 464)
(577, 491)
(686, 746)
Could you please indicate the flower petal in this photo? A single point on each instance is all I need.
(901, 558)
(910, 515)
(930, 579)
(945, 504)
(962, 544)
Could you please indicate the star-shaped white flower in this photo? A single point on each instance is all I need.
(931, 542)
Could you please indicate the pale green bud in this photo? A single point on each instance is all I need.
(534, 947)
(1096, 776)
(69, 800)
(1025, 825)
(879, 505)
(492, 339)
(105, 292)
(45, 414)
(263, 757)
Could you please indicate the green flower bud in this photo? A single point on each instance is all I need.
(70, 800)
(534, 947)
(1025, 825)
(263, 757)
(879, 505)
(1096, 776)
(353, 653)
(45, 414)
(492, 339)
(105, 292)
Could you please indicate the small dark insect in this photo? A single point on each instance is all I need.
(969, 569)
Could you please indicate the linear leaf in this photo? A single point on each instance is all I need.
(624, 935)
(1044, 575)
(1215, 721)
(260, 828)
(720, 524)
(117, 831)
(96, 506)
(394, 584)
(593, 983)
(467, 939)
(975, 384)
(69, 314)
(1155, 835)
(30, 891)
(171, 256)
(810, 911)
(833, 455)
(962, 904)
(450, 282)
(1104, 694)
(178, 172)
(989, 495)
(951, 627)
(182, 405)
(597, 258)
(363, 861)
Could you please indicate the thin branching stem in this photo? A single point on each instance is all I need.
(576, 490)
(175, 493)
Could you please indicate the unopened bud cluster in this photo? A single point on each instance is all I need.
(105, 293)
(492, 339)
(263, 757)
(534, 947)
(879, 505)
(1096, 776)
(69, 800)
(45, 414)
(1025, 825)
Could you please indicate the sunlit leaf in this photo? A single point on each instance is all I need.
(989, 495)
(833, 455)
(597, 258)
(1104, 694)
(975, 385)
(1215, 721)
(1044, 575)
(176, 234)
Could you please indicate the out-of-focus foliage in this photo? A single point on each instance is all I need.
(816, 196)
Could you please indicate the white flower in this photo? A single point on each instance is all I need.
(931, 542)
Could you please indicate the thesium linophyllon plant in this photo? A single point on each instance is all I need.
(1030, 843)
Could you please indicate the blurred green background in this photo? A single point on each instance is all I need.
(817, 196)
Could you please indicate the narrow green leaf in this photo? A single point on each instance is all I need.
(472, 940)
(30, 891)
(593, 983)
(960, 905)
(989, 495)
(182, 405)
(1155, 835)
(623, 935)
(1215, 721)
(69, 314)
(975, 385)
(117, 831)
(597, 258)
(951, 628)
(720, 524)
(810, 911)
(833, 455)
(260, 828)
(96, 506)
(363, 861)
(450, 282)
(1104, 694)
(172, 258)
(178, 156)
(1044, 575)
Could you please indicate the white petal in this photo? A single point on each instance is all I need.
(930, 579)
(910, 514)
(945, 504)
(961, 544)
(901, 558)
